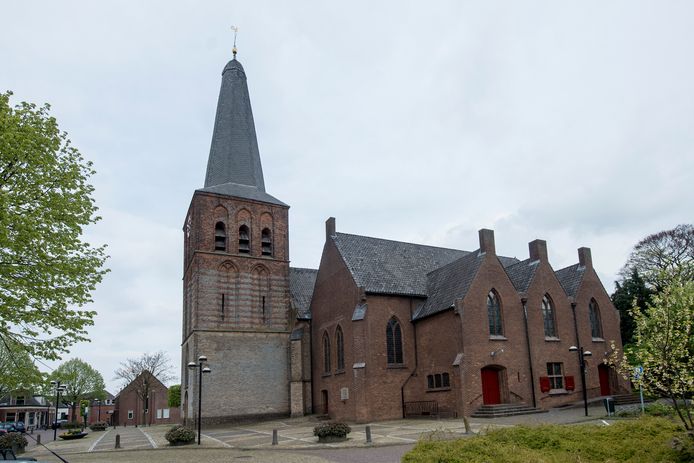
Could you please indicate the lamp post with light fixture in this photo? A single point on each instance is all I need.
(201, 369)
(582, 354)
(59, 387)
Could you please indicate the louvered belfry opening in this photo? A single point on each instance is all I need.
(244, 240)
(220, 237)
(266, 242)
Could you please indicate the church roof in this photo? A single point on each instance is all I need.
(522, 273)
(570, 278)
(391, 267)
(233, 167)
(301, 283)
(449, 283)
(242, 191)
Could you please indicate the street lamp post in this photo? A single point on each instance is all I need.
(582, 354)
(98, 405)
(58, 389)
(201, 369)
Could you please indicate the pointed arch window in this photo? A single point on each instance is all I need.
(394, 342)
(220, 237)
(494, 314)
(244, 240)
(548, 317)
(266, 242)
(326, 353)
(339, 340)
(595, 322)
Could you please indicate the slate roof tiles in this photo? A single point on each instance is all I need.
(301, 283)
(570, 278)
(522, 273)
(391, 267)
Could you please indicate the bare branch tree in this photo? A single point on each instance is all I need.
(139, 372)
(663, 255)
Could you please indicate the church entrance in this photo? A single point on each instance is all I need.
(604, 374)
(492, 379)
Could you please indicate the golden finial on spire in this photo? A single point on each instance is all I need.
(236, 30)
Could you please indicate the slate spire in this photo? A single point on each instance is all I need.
(234, 156)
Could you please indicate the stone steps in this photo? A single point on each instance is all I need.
(495, 411)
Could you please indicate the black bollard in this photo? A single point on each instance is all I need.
(38, 439)
(117, 441)
(274, 437)
(368, 434)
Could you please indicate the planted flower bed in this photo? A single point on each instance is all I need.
(72, 435)
(332, 432)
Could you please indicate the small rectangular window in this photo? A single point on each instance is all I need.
(158, 413)
(130, 414)
(438, 381)
(555, 375)
(20, 400)
(165, 413)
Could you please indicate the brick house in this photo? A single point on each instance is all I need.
(382, 329)
(129, 409)
(33, 410)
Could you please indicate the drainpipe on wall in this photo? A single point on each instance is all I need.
(310, 335)
(414, 371)
(530, 357)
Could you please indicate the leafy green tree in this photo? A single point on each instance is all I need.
(81, 381)
(175, 395)
(663, 255)
(630, 292)
(47, 272)
(17, 370)
(664, 346)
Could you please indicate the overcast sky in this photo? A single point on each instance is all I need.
(413, 121)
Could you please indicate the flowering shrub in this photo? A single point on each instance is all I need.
(331, 430)
(180, 435)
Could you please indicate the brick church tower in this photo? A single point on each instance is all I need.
(236, 301)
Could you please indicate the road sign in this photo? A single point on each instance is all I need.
(638, 371)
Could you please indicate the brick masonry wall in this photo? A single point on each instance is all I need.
(249, 377)
(375, 391)
(552, 349)
(591, 287)
(438, 343)
(510, 352)
(128, 400)
(334, 299)
(236, 310)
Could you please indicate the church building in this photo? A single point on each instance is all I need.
(382, 329)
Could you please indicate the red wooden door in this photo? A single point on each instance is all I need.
(490, 386)
(604, 374)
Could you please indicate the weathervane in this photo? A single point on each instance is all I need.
(236, 30)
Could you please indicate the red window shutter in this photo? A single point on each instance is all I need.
(544, 384)
(569, 382)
